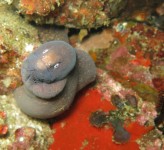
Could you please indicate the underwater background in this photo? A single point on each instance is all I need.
(123, 108)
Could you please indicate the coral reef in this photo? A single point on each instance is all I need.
(15, 43)
(127, 99)
(85, 14)
(151, 140)
(3, 124)
(136, 62)
(71, 13)
(21, 126)
(132, 75)
(17, 40)
(116, 118)
(24, 138)
(99, 118)
(159, 120)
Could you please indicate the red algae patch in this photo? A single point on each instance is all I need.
(73, 130)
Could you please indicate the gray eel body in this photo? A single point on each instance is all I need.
(47, 93)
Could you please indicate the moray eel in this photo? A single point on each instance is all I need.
(44, 71)
(52, 75)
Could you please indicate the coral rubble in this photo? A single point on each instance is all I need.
(85, 14)
(18, 124)
(15, 43)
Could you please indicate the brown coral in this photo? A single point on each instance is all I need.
(81, 14)
(71, 13)
(40, 7)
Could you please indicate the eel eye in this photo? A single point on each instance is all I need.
(56, 65)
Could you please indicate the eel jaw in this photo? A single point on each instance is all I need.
(46, 90)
